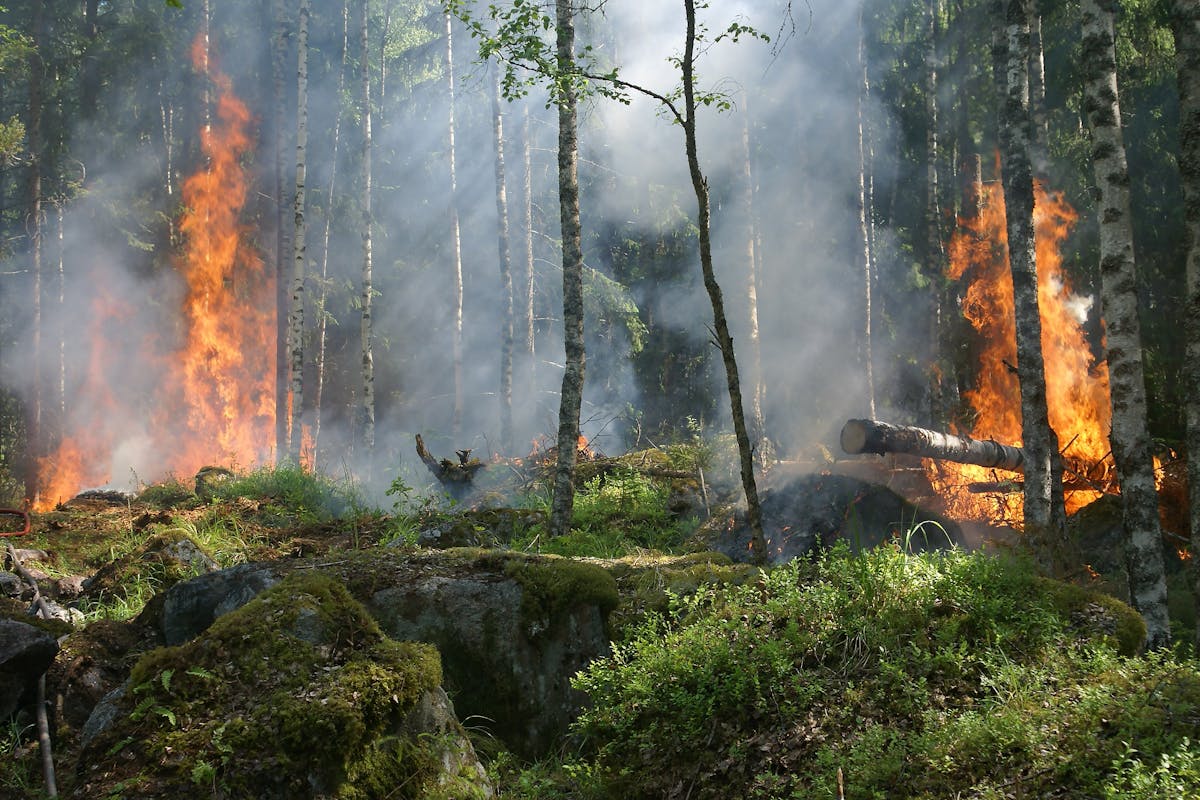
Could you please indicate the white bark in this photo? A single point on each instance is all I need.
(455, 243)
(1044, 522)
(299, 244)
(366, 299)
(1130, 436)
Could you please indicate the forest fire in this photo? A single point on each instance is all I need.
(1076, 382)
(214, 377)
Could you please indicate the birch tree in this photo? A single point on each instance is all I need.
(562, 504)
(320, 308)
(367, 373)
(1185, 21)
(278, 172)
(455, 240)
(506, 281)
(299, 239)
(1045, 520)
(1130, 436)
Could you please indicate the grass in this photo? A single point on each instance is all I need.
(916, 676)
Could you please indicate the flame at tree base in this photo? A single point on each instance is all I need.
(212, 392)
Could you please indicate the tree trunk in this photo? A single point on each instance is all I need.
(506, 282)
(933, 234)
(528, 336)
(757, 390)
(720, 324)
(1185, 20)
(367, 412)
(873, 436)
(1040, 136)
(868, 360)
(34, 444)
(1045, 518)
(299, 243)
(90, 82)
(571, 399)
(1130, 436)
(281, 272)
(455, 243)
(319, 310)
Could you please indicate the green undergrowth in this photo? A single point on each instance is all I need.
(337, 691)
(915, 676)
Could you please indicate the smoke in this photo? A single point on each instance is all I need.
(796, 95)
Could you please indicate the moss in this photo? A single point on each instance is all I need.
(334, 685)
(646, 583)
(551, 586)
(1098, 614)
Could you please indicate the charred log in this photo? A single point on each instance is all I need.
(458, 478)
(873, 436)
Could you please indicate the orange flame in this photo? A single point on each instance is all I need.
(214, 399)
(1076, 383)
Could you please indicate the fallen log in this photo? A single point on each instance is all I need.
(873, 436)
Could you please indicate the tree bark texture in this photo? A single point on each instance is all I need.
(34, 444)
(864, 92)
(934, 252)
(1130, 437)
(1045, 521)
(1040, 136)
(1185, 20)
(282, 272)
(873, 436)
(528, 337)
(506, 281)
(322, 297)
(299, 245)
(720, 323)
(455, 243)
(757, 390)
(571, 399)
(367, 407)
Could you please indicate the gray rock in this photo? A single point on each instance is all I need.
(11, 584)
(103, 715)
(506, 667)
(191, 606)
(26, 652)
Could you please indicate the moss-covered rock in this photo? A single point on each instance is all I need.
(296, 694)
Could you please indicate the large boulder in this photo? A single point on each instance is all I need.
(26, 652)
(297, 694)
(512, 629)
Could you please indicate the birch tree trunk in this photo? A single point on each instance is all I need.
(868, 360)
(1130, 435)
(34, 444)
(319, 311)
(455, 242)
(299, 243)
(279, 113)
(528, 337)
(934, 259)
(1045, 523)
(562, 504)
(367, 415)
(720, 323)
(506, 282)
(1185, 20)
(1039, 139)
(762, 445)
